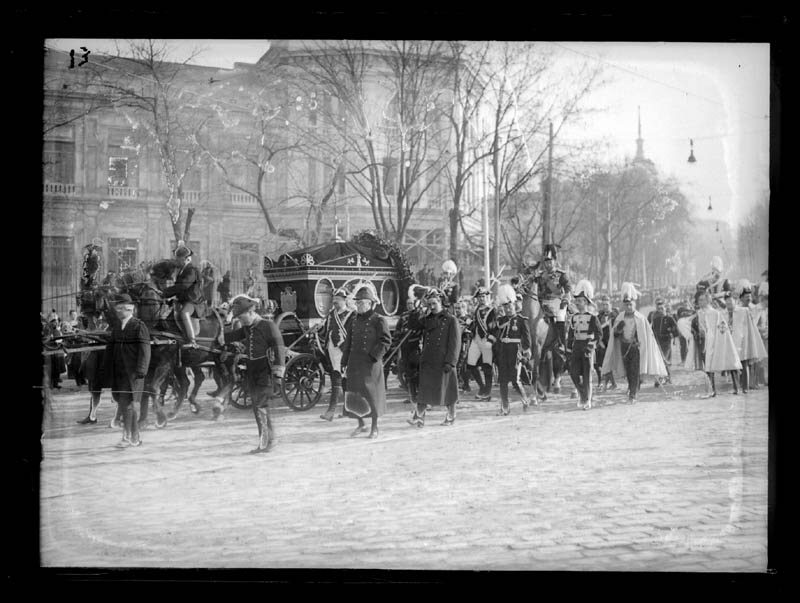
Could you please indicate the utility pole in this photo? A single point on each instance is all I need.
(608, 244)
(487, 270)
(548, 194)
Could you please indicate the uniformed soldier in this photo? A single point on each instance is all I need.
(409, 341)
(484, 324)
(585, 336)
(368, 339)
(465, 324)
(714, 284)
(441, 340)
(333, 334)
(513, 347)
(265, 351)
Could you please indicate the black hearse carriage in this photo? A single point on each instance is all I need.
(302, 283)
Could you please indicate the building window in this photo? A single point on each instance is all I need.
(122, 254)
(58, 282)
(323, 296)
(59, 161)
(389, 176)
(123, 161)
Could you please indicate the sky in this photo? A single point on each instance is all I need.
(715, 94)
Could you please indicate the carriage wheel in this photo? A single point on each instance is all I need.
(302, 382)
(239, 397)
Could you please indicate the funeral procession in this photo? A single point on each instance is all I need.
(287, 280)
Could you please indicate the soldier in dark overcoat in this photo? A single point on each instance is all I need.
(368, 339)
(441, 345)
(127, 358)
(266, 353)
(333, 334)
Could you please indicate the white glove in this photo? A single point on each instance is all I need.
(277, 371)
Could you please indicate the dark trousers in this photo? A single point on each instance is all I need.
(684, 348)
(580, 370)
(127, 402)
(630, 360)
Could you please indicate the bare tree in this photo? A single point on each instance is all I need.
(387, 125)
(152, 93)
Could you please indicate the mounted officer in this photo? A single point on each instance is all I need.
(554, 288)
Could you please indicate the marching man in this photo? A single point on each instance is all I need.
(333, 334)
(632, 348)
(584, 336)
(745, 336)
(484, 323)
(715, 350)
(513, 347)
(441, 344)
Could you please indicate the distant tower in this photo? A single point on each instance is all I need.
(639, 141)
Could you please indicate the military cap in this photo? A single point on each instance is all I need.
(242, 304)
(340, 292)
(434, 292)
(659, 300)
(123, 298)
(481, 291)
(365, 293)
(182, 252)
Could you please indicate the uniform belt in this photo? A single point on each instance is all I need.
(510, 340)
(257, 357)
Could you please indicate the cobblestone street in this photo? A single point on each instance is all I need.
(672, 483)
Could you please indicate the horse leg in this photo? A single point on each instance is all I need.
(158, 388)
(199, 377)
(181, 387)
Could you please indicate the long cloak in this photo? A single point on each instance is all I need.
(651, 362)
(720, 353)
(746, 336)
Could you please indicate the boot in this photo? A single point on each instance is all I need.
(488, 377)
(478, 378)
(418, 418)
(263, 432)
(188, 328)
(374, 430)
(336, 395)
(361, 428)
(450, 418)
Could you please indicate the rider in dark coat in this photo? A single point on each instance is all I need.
(368, 339)
(188, 293)
(441, 345)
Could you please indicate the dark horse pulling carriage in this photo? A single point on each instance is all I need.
(170, 355)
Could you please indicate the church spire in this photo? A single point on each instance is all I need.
(640, 140)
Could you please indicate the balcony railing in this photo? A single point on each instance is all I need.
(123, 192)
(59, 188)
(242, 199)
(192, 196)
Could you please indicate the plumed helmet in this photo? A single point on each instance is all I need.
(241, 304)
(585, 289)
(434, 292)
(340, 292)
(481, 291)
(629, 292)
(505, 294)
(716, 263)
(550, 251)
(365, 292)
(417, 292)
(744, 287)
(450, 266)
